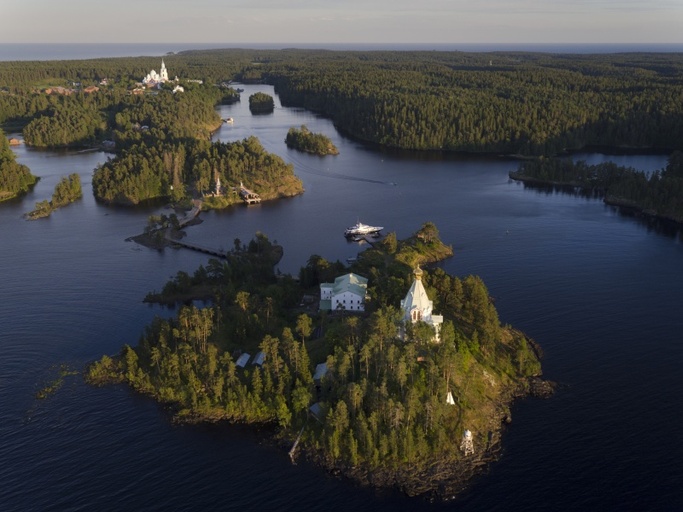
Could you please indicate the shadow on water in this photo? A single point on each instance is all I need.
(658, 225)
(654, 224)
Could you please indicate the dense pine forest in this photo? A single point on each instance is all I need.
(15, 178)
(502, 102)
(381, 405)
(511, 103)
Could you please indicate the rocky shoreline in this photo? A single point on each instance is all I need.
(439, 480)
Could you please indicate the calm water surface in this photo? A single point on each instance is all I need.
(78, 51)
(600, 291)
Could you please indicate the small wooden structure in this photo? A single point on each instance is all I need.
(248, 196)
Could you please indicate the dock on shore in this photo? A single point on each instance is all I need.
(248, 196)
(196, 208)
(199, 248)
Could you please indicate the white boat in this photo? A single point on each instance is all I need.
(361, 229)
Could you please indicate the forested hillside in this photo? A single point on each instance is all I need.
(504, 103)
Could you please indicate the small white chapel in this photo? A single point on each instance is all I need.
(417, 307)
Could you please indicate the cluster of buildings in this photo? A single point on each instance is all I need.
(349, 292)
(151, 80)
(154, 79)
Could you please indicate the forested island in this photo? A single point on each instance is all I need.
(182, 169)
(305, 140)
(15, 179)
(658, 194)
(261, 103)
(393, 406)
(66, 191)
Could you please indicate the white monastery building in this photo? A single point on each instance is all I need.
(417, 306)
(154, 78)
(347, 292)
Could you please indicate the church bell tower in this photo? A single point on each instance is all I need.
(163, 72)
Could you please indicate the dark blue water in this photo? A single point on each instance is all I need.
(77, 51)
(600, 291)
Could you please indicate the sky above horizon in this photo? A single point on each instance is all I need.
(343, 21)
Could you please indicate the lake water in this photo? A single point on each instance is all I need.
(600, 291)
(78, 51)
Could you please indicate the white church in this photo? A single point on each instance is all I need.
(417, 307)
(154, 78)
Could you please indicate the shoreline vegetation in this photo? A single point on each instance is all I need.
(16, 179)
(54, 385)
(66, 192)
(379, 415)
(658, 194)
(308, 142)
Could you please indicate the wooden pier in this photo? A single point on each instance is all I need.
(248, 196)
(196, 208)
(199, 248)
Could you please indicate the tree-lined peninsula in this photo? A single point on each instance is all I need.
(66, 191)
(15, 179)
(658, 194)
(391, 409)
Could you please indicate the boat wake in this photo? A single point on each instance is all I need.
(300, 167)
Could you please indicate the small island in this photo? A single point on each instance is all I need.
(188, 169)
(350, 367)
(15, 179)
(66, 191)
(309, 142)
(261, 103)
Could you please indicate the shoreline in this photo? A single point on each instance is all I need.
(608, 199)
(443, 479)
